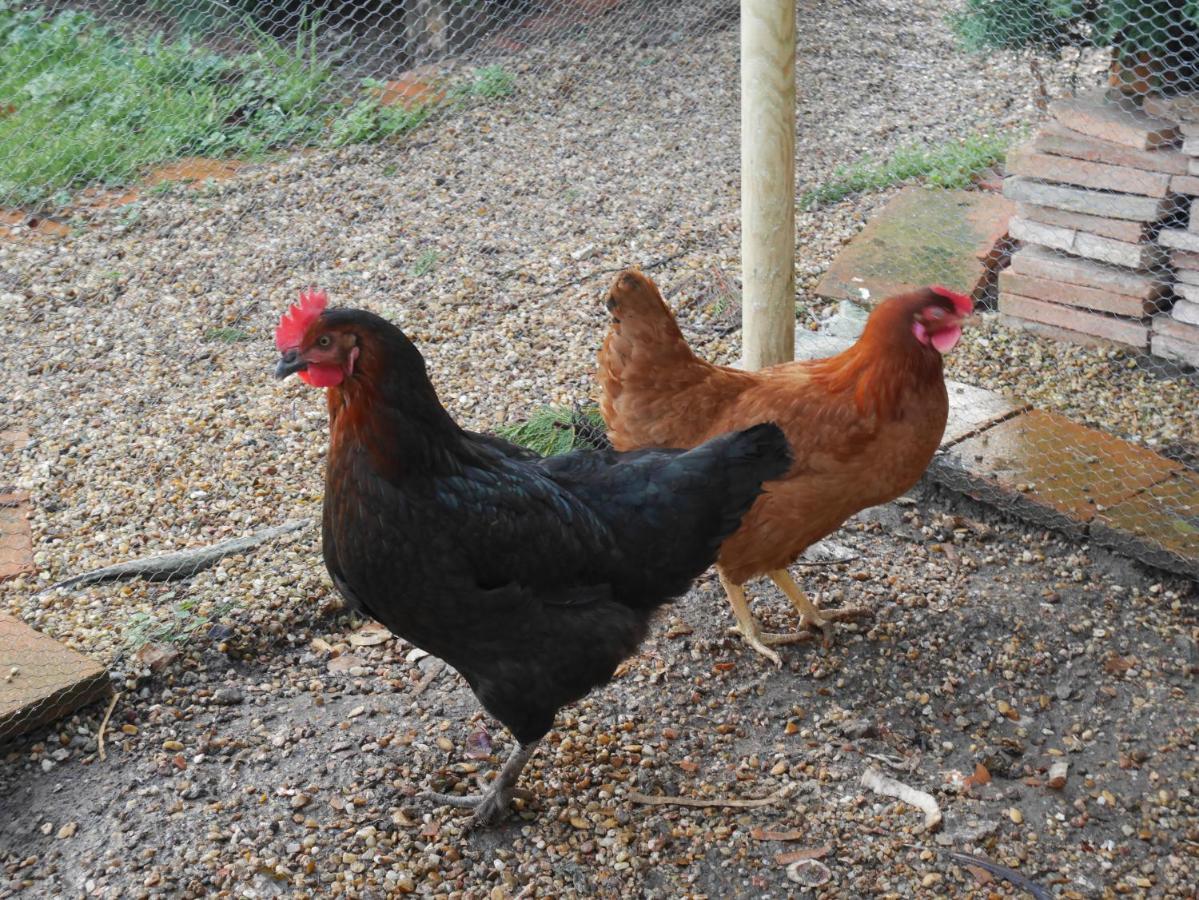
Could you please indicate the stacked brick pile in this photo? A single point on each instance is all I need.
(1093, 188)
(1176, 334)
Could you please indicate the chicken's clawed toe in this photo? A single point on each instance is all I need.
(490, 808)
(826, 624)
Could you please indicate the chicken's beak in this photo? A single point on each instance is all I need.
(289, 363)
(970, 321)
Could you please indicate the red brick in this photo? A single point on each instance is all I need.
(1186, 310)
(1058, 139)
(1101, 176)
(1179, 239)
(1074, 295)
(1041, 263)
(1185, 184)
(1092, 203)
(1181, 259)
(1053, 333)
(1168, 347)
(1122, 331)
(1116, 229)
(1189, 291)
(1177, 108)
(1092, 246)
(1167, 326)
(50, 680)
(1116, 122)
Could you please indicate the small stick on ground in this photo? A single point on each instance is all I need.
(104, 724)
(176, 566)
(999, 871)
(700, 803)
(875, 780)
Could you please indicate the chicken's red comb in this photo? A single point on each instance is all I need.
(298, 317)
(963, 304)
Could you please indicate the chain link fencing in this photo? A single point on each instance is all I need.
(171, 173)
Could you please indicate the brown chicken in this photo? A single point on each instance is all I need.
(863, 425)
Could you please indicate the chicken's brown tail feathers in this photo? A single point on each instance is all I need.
(643, 340)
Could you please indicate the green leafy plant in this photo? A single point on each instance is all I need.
(551, 430)
(425, 263)
(178, 625)
(951, 165)
(82, 104)
(1153, 39)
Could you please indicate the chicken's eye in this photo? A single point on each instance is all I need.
(324, 341)
(935, 312)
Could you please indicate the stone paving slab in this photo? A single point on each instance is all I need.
(1049, 469)
(1058, 139)
(1044, 263)
(16, 541)
(1100, 176)
(1116, 229)
(40, 679)
(1094, 115)
(1089, 202)
(1074, 295)
(974, 409)
(922, 236)
(1159, 525)
(1124, 331)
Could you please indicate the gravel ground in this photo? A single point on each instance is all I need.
(275, 756)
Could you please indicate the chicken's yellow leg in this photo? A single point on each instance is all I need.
(748, 625)
(809, 615)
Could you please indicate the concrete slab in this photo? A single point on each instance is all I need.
(1050, 470)
(1159, 526)
(16, 542)
(40, 679)
(974, 409)
(922, 236)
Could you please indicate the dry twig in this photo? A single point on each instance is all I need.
(104, 724)
(176, 566)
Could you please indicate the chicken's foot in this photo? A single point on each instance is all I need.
(750, 629)
(491, 807)
(809, 615)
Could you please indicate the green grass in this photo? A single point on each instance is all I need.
(226, 335)
(558, 429)
(81, 104)
(425, 263)
(951, 165)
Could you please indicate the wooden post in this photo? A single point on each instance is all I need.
(767, 182)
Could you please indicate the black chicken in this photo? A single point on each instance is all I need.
(532, 577)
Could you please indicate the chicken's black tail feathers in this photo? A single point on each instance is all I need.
(750, 458)
(693, 502)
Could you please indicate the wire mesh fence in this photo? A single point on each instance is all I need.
(171, 173)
